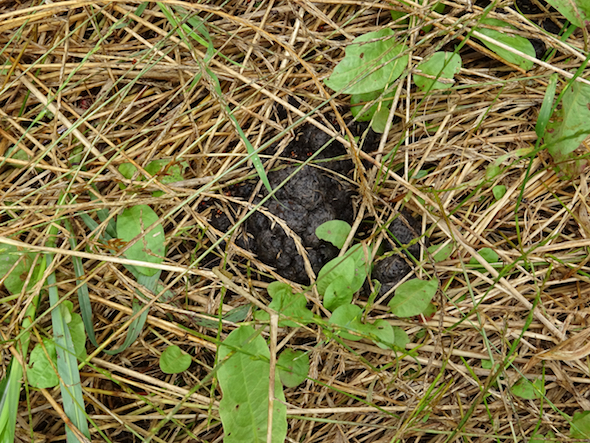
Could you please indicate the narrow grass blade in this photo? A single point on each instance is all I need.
(67, 362)
(546, 107)
(216, 87)
(9, 393)
(67, 365)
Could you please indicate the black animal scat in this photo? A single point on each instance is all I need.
(391, 269)
(311, 196)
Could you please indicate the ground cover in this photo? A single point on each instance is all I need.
(166, 173)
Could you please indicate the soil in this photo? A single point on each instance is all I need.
(312, 196)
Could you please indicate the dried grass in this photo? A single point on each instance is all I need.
(125, 92)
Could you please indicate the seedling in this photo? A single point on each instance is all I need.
(374, 61)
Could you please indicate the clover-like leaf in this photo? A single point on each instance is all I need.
(441, 253)
(9, 255)
(348, 318)
(339, 268)
(488, 254)
(529, 390)
(576, 11)
(568, 126)
(580, 427)
(384, 333)
(288, 304)
(338, 293)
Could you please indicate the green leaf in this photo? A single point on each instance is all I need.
(42, 370)
(395, 15)
(568, 126)
(150, 247)
(237, 315)
(76, 327)
(493, 171)
(401, 338)
(67, 364)
(380, 58)
(348, 318)
(339, 268)
(429, 311)
(527, 390)
(334, 231)
(439, 65)
(15, 281)
(337, 294)
(499, 191)
(580, 427)
(172, 174)
(361, 257)
(546, 107)
(514, 41)
(174, 361)
(293, 367)
(379, 120)
(487, 254)
(412, 297)
(351, 270)
(355, 99)
(441, 253)
(127, 170)
(576, 11)
(244, 381)
(288, 304)
(384, 333)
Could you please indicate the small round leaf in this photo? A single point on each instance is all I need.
(293, 367)
(174, 361)
(333, 231)
(499, 191)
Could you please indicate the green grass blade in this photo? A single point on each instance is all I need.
(67, 365)
(67, 362)
(546, 107)
(83, 294)
(216, 87)
(9, 393)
